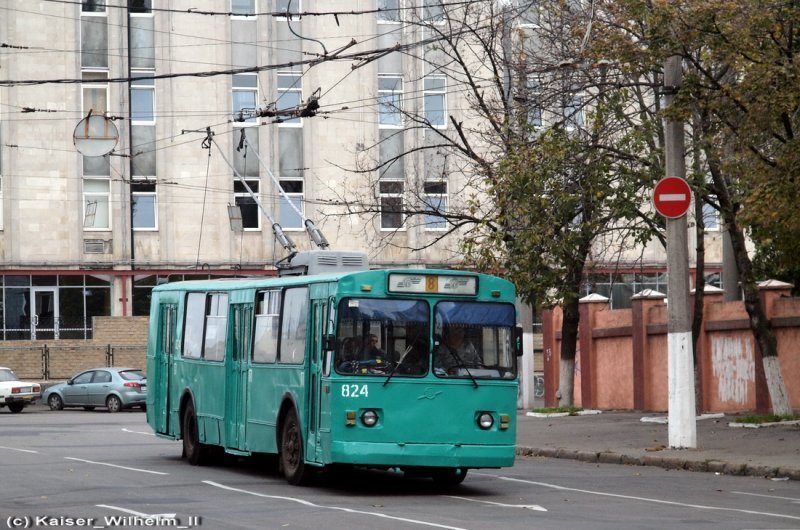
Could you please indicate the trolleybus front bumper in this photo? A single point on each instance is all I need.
(422, 454)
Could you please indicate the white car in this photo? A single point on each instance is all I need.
(16, 394)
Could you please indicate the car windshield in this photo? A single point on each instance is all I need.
(379, 337)
(132, 375)
(474, 340)
(7, 375)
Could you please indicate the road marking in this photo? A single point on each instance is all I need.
(339, 508)
(138, 514)
(20, 450)
(645, 499)
(534, 507)
(793, 499)
(138, 432)
(115, 465)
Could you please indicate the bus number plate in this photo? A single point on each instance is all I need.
(354, 391)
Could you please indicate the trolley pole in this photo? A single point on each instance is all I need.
(682, 419)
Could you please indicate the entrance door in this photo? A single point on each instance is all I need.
(158, 395)
(44, 313)
(314, 445)
(236, 378)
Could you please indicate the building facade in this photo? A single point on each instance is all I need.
(229, 119)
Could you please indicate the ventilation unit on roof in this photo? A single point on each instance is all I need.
(323, 262)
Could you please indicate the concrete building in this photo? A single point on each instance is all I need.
(208, 102)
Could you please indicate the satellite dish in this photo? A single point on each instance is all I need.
(95, 136)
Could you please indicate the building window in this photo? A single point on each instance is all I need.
(289, 218)
(528, 12)
(282, 6)
(433, 11)
(143, 195)
(95, 93)
(391, 204)
(290, 96)
(251, 218)
(390, 100)
(245, 95)
(532, 103)
(435, 100)
(435, 198)
(388, 11)
(143, 97)
(710, 217)
(96, 204)
(573, 112)
(243, 7)
(90, 7)
(140, 7)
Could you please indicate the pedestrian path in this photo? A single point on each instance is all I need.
(624, 438)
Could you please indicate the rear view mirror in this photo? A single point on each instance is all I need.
(518, 341)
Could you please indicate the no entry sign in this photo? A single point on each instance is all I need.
(672, 197)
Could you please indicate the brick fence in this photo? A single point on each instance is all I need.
(118, 341)
(621, 362)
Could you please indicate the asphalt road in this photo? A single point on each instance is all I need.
(81, 469)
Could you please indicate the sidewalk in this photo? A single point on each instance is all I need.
(622, 438)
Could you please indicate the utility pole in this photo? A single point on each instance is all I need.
(682, 420)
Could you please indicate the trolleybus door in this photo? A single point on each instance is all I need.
(236, 377)
(313, 447)
(158, 382)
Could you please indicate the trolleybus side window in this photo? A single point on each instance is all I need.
(265, 340)
(294, 320)
(206, 325)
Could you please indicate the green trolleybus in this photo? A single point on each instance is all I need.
(354, 368)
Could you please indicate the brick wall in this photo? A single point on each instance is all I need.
(124, 338)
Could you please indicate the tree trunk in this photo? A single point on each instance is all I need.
(569, 343)
(762, 332)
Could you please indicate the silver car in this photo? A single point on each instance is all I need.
(112, 388)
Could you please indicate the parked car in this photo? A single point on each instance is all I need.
(113, 388)
(16, 394)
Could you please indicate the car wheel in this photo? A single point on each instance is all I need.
(113, 403)
(55, 402)
(88, 408)
(16, 407)
(198, 454)
(291, 457)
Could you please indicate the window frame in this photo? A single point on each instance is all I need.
(382, 94)
(392, 195)
(379, 16)
(252, 121)
(441, 93)
(426, 5)
(299, 8)
(150, 87)
(103, 13)
(433, 226)
(154, 194)
(245, 16)
(301, 196)
(254, 183)
(85, 202)
(291, 90)
(148, 13)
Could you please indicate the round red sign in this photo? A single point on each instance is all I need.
(672, 197)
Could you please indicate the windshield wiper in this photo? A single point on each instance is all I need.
(399, 362)
(461, 364)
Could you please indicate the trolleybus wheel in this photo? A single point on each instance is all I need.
(449, 476)
(195, 452)
(291, 456)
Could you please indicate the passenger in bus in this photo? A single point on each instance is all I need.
(372, 349)
(455, 352)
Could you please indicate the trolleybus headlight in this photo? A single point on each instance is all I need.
(485, 420)
(369, 418)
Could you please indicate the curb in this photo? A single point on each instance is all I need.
(708, 466)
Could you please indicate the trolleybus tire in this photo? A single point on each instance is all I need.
(449, 476)
(291, 451)
(198, 454)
